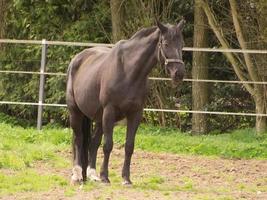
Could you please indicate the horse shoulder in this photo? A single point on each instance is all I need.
(119, 49)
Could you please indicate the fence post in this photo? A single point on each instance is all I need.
(41, 86)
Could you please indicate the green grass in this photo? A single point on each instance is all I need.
(29, 180)
(152, 183)
(238, 144)
(22, 149)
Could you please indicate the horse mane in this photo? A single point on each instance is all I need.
(144, 32)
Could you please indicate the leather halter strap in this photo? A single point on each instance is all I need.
(167, 60)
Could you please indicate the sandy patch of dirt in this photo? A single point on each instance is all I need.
(167, 176)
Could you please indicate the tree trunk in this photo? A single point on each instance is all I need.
(261, 108)
(117, 19)
(262, 22)
(261, 101)
(3, 9)
(199, 71)
(3, 4)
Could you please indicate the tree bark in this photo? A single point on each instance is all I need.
(261, 7)
(117, 19)
(261, 108)
(3, 4)
(200, 71)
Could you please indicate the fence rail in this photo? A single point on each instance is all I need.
(146, 109)
(88, 44)
(150, 78)
(44, 43)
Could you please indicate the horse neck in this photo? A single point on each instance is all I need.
(144, 55)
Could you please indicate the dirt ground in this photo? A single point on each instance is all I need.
(168, 176)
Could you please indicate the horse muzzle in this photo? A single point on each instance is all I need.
(177, 74)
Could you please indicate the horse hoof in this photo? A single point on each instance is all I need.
(74, 182)
(127, 183)
(92, 175)
(76, 178)
(105, 180)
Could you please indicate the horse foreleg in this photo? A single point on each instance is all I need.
(108, 124)
(133, 121)
(95, 142)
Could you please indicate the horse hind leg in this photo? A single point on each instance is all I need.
(108, 124)
(76, 120)
(94, 145)
(86, 131)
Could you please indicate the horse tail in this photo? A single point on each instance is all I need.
(86, 122)
(86, 129)
(73, 67)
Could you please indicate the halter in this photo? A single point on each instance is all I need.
(167, 60)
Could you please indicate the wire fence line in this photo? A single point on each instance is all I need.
(146, 109)
(88, 44)
(150, 78)
(44, 44)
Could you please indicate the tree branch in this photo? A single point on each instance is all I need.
(217, 29)
(239, 34)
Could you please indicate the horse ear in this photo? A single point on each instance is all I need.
(161, 27)
(181, 24)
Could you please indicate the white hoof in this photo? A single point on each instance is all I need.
(127, 183)
(92, 175)
(77, 176)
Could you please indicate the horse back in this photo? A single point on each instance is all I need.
(81, 57)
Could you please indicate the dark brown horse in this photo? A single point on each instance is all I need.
(106, 85)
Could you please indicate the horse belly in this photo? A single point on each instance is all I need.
(127, 98)
(132, 101)
(88, 104)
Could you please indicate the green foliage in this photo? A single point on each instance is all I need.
(72, 21)
(230, 98)
(82, 21)
(90, 21)
(238, 144)
(4, 118)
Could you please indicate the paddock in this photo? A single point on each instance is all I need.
(234, 170)
(36, 165)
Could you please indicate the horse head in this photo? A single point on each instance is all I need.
(170, 49)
